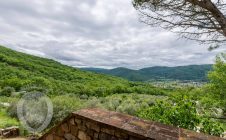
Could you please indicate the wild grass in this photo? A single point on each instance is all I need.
(6, 121)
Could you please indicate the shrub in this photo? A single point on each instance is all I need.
(211, 127)
(12, 110)
(64, 105)
(126, 103)
(14, 82)
(84, 96)
(181, 113)
(7, 91)
(32, 88)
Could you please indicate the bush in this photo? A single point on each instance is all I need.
(181, 113)
(84, 96)
(64, 105)
(127, 103)
(14, 82)
(211, 127)
(12, 110)
(7, 91)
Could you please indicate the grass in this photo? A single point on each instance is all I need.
(6, 121)
(4, 99)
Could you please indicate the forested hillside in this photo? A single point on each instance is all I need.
(23, 72)
(191, 73)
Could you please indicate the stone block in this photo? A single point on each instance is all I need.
(88, 138)
(58, 138)
(104, 136)
(90, 132)
(93, 126)
(83, 136)
(109, 131)
(72, 121)
(69, 136)
(114, 138)
(65, 127)
(120, 134)
(49, 137)
(82, 127)
(59, 132)
(74, 130)
(78, 121)
(96, 135)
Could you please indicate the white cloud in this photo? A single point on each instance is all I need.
(95, 33)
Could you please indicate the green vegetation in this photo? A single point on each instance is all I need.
(200, 108)
(181, 112)
(6, 121)
(217, 85)
(182, 73)
(21, 73)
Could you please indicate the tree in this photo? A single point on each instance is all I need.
(217, 79)
(200, 20)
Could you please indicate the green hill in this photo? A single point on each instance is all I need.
(129, 74)
(183, 73)
(23, 72)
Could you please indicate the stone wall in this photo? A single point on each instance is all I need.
(96, 124)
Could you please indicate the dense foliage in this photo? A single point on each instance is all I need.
(183, 73)
(25, 73)
(217, 78)
(181, 112)
(70, 89)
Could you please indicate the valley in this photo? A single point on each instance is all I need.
(167, 101)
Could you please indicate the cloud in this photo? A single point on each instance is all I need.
(93, 33)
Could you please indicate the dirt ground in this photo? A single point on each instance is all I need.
(18, 138)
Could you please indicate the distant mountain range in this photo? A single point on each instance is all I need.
(190, 72)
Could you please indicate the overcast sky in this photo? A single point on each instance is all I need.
(93, 33)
